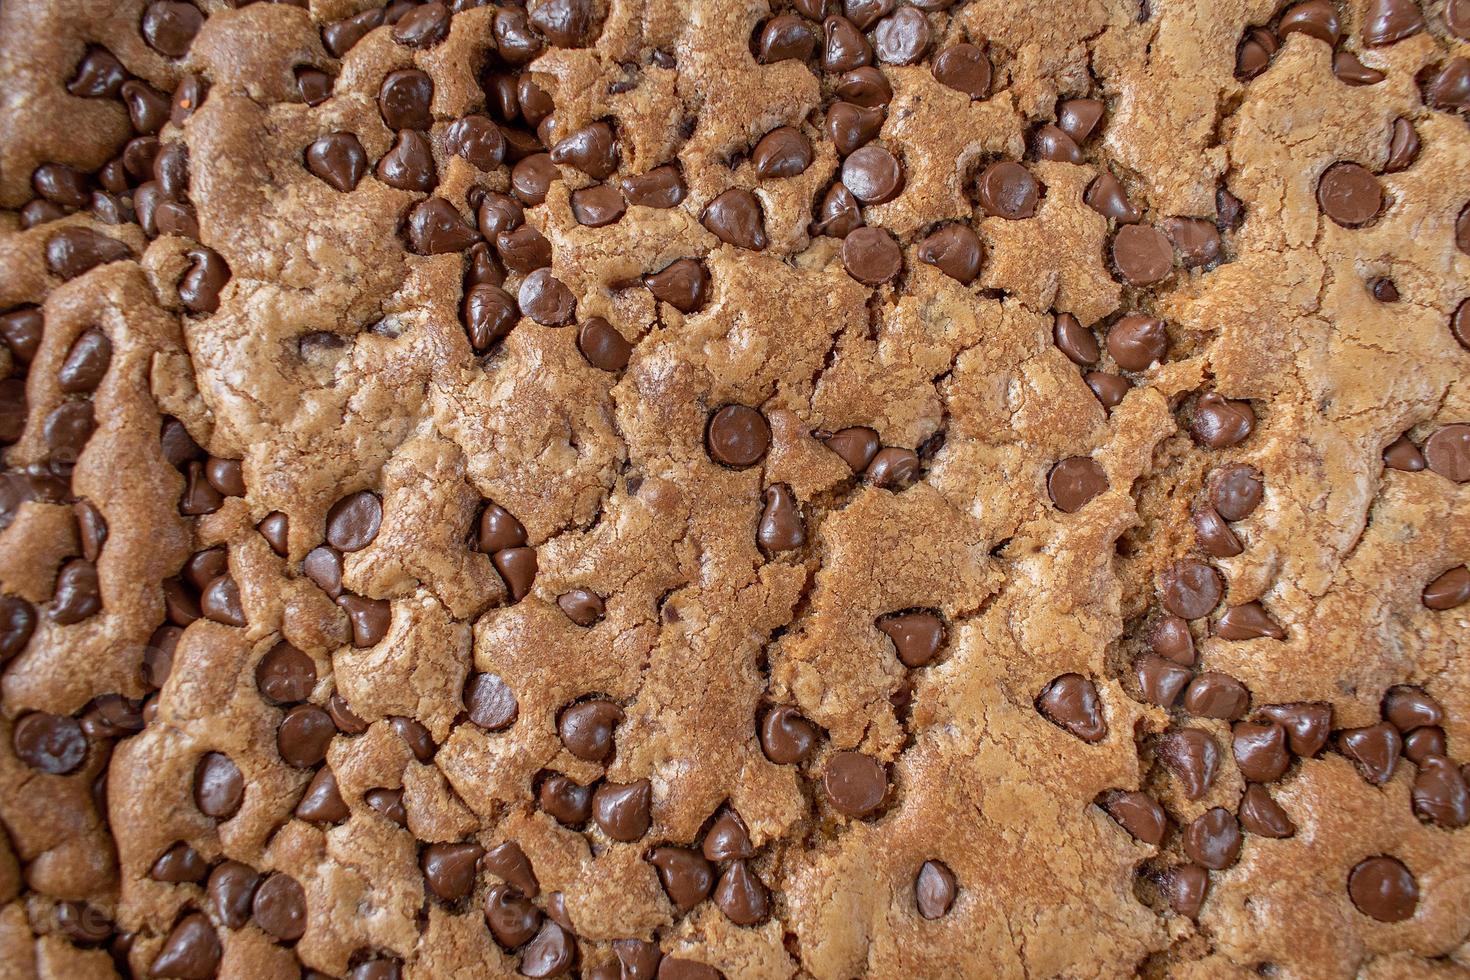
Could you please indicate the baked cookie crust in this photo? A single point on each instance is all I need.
(694, 488)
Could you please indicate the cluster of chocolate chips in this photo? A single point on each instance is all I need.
(1446, 451)
(1385, 22)
(721, 865)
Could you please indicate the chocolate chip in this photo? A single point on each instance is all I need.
(517, 567)
(593, 149)
(338, 159)
(1448, 590)
(735, 218)
(415, 736)
(783, 152)
(1403, 146)
(148, 109)
(844, 47)
(677, 968)
(786, 737)
(1213, 535)
(1190, 589)
(203, 567)
(838, 213)
(75, 250)
(1375, 749)
(1186, 886)
(1212, 840)
(490, 702)
(78, 594)
(737, 436)
(404, 100)
(1074, 482)
(851, 126)
(1008, 190)
(567, 802)
(510, 863)
(546, 299)
(786, 37)
(1383, 289)
(322, 802)
(1388, 21)
(866, 13)
(855, 783)
(435, 227)
(388, 802)
(314, 85)
(586, 729)
(550, 953)
(1447, 452)
(13, 409)
(285, 675)
(423, 26)
(449, 869)
(409, 164)
(902, 38)
(780, 527)
(1160, 680)
(483, 268)
(1142, 254)
(511, 918)
(303, 736)
(1408, 708)
(191, 949)
(1070, 702)
(523, 249)
(1422, 743)
(1248, 622)
(323, 565)
(1383, 889)
(169, 26)
(375, 969)
(52, 744)
(1139, 814)
(369, 618)
(21, 330)
(489, 313)
(225, 475)
(871, 256)
(1350, 71)
(1193, 756)
(741, 895)
(178, 864)
(220, 602)
(231, 891)
(1457, 18)
(202, 282)
(219, 789)
(353, 521)
(1314, 18)
(1220, 423)
(1106, 196)
(872, 174)
(857, 445)
(60, 184)
(347, 721)
(1440, 793)
(340, 36)
(916, 636)
(622, 810)
(565, 23)
(86, 363)
(599, 205)
(1196, 239)
(687, 878)
(892, 467)
(1349, 194)
(1263, 816)
(661, 187)
(1236, 491)
(1307, 724)
(1216, 695)
(1109, 389)
(1074, 340)
(683, 284)
(1170, 638)
(279, 907)
(1078, 118)
(1054, 145)
(954, 250)
(99, 75)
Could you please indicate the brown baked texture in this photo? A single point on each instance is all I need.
(680, 488)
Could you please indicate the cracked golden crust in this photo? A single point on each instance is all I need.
(610, 477)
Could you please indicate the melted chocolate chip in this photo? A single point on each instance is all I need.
(1071, 702)
(1384, 889)
(855, 783)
